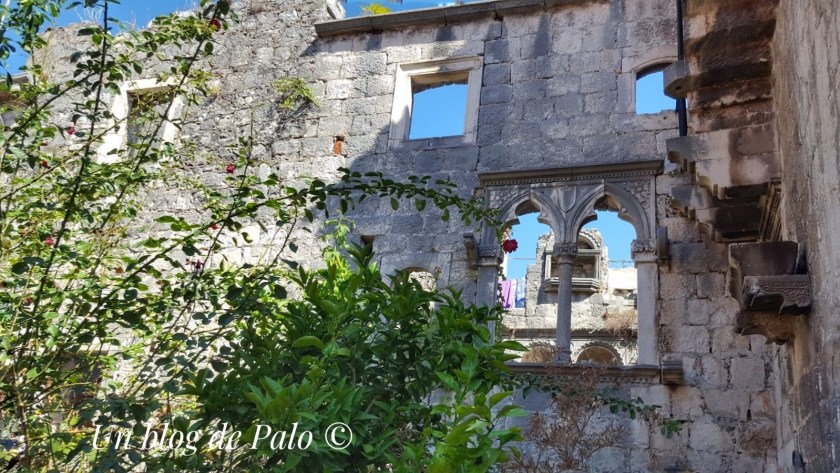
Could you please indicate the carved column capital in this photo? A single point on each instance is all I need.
(489, 255)
(642, 248)
(565, 252)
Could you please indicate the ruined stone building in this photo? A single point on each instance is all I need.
(737, 227)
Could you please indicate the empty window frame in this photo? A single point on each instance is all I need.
(650, 91)
(133, 110)
(436, 104)
(145, 110)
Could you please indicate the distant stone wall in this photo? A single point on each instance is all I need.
(806, 82)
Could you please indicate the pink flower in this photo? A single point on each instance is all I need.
(49, 241)
(510, 245)
(214, 227)
(230, 168)
(71, 130)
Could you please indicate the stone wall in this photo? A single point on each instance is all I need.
(557, 91)
(806, 81)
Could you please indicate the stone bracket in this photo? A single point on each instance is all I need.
(671, 373)
(788, 294)
(663, 244)
(472, 250)
(489, 255)
(770, 295)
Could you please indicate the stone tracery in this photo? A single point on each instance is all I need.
(567, 199)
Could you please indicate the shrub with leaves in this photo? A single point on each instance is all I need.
(583, 417)
(413, 374)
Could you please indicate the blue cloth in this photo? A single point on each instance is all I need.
(519, 293)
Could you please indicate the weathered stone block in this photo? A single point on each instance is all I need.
(708, 437)
(500, 93)
(748, 373)
(688, 257)
(691, 339)
(715, 374)
(497, 51)
(699, 311)
(711, 285)
(496, 74)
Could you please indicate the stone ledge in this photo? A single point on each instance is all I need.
(669, 373)
(584, 285)
(441, 16)
(594, 172)
(522, 333)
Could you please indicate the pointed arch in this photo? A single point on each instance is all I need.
(530, 201)
(629, 209)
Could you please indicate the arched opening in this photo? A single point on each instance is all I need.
(530, 316)
(607, 311)
(598, 355)
(522, 264)
(650, 93)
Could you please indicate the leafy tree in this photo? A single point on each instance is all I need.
(121, 323)
(375, 8)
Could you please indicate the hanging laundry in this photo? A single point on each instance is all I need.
(508, 289)
(519, 293)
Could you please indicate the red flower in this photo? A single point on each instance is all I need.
(509, 246)
(215, 24)
(28, 301)
(49, 241)
(230, 168)
(44, 163)
(71, 130)
(214, 227)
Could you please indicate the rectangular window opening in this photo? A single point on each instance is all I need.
(650, 96)
(146, 109)
(439, 106)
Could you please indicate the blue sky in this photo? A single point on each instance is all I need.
(354, 7)
(137, 12)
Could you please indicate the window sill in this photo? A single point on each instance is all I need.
(669, 373)
(432, 143)
(587, 285)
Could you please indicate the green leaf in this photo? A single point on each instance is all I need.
(395, 204)
(307, 341)
(20, 267)
(512, 410)
(498, 397)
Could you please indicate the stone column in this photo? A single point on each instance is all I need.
(565, 253)
(646, 287)
(489, 258)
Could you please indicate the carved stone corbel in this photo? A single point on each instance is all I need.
(770, 295)
(788, 294)
(565, 251)
(663, 245)
(671, 373)
(643, 250)
(472, 250)
(489, 255)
